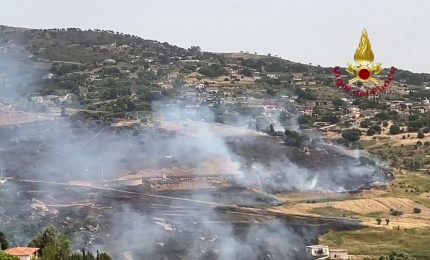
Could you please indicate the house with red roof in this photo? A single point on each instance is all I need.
(23, 253)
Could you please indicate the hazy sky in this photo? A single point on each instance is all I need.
(309, 31)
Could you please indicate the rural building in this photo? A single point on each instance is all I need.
(336, 253)
(109, 61)
(297, 76)
(353, 111)
(305, 110)
(317, 250)
(23, 253)
(325, 104)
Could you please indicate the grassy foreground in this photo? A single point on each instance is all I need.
(381, 241)
(374, 241)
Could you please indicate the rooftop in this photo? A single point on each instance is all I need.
(317, 246)
(337, 250)
(21, 251)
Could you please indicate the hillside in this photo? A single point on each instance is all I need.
(98, 66)
(154, 114)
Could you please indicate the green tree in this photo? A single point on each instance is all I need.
(4, 256)
(283, 116)
(4, 243)
(103, 256)
(330, 117)
(396, 255)
(294, 138)
(351, 135)
(412, 164)
(383, 115)
(52, 244)
(339, 103)
(374, 129)
(371, 131)
(246, 72)
(394, 130)
(365, 123)
(420, 134)
(214, 70)
(89, 256)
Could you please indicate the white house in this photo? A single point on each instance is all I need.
(23, 253)
(317, 250)
(109, 61)
(340, 254)
(38, 99)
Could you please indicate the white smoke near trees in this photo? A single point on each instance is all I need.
(45, 159)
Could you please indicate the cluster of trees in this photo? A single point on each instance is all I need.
(369, 104)
(387, 115)
(294, 138)
(379, 221)
(4, 256)
(395, 129)
(213, 70)
(374, 129)
(419, 95)
(418, 121)
(339, 103)
(351, 135)
(273, 64)
(412, 164)
(283, 116)
(4, 243)
(269, 81)
(396, 255)
(329, 117)
(53, 246)
(246, 72)
(305, 94)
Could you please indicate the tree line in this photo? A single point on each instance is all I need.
(53, 246)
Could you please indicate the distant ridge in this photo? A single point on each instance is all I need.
(5, 28)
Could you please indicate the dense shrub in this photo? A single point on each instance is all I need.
(396, 212)
(213, 70)
(394, 129)
(351, 135)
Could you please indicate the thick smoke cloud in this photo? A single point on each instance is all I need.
(56, 154)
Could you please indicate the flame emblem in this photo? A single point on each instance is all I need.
(364, 57)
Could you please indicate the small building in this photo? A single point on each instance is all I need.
(23, 253)
(37, 99)
(325, 104)
(131, 182)
(305, 110)
(317, 250)
(336, 253)
(297, 76)
(109, 61)
(272, 76)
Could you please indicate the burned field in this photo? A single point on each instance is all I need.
(319, 167)
(155, 193)
(162, 226)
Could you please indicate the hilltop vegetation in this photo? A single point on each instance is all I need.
(113, 74)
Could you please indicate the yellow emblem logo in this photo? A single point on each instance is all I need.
(364, 57)
(364, 71)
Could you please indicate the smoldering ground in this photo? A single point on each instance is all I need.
(208, 234)
(45, 158)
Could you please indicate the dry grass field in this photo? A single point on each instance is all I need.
(409, 232)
